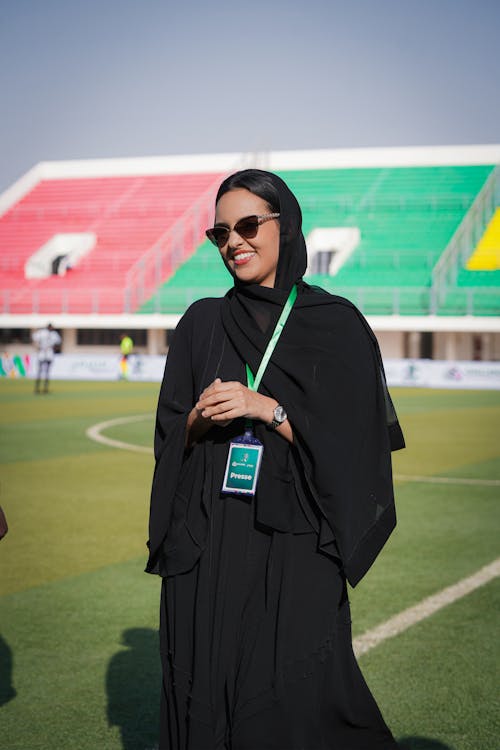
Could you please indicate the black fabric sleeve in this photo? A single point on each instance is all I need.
(175, 402)
(343, 444)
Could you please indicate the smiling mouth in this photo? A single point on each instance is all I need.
(241, 258)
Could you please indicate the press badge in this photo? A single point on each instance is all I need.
(243, 465)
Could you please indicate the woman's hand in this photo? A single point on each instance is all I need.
(221, 402)
(197, 425)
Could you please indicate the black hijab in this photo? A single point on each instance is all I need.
(328, 374)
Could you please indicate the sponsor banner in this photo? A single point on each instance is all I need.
(15, 365)
(422, 373)
(427, 373)
(136, 367)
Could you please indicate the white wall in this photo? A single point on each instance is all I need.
(391, 344)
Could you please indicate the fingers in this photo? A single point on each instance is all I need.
(222, 408)
(219, 391)
(225, 401)
(221, 386)
(223, 420)
(239, 403)
(209, 389)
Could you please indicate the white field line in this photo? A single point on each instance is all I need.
(447, 480)
(94, 433)
(425, 608)
(403, 620)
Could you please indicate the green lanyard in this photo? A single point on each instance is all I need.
(253, 383)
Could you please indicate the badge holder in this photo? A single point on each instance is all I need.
(243, 464)
(245, 451)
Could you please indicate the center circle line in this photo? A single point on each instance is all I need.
(94, 433)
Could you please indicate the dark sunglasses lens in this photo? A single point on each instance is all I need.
(247, 227)
(218, 235)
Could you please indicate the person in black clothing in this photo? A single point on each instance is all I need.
(255, 633)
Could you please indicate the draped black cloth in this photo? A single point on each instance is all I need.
(255, 625)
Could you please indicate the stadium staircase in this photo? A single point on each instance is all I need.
(466, 279)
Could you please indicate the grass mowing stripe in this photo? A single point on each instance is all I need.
(95, 433)
(425, 608)
(448, 480)
(72, 514)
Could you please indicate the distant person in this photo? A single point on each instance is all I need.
(126, 349)
(45, 341)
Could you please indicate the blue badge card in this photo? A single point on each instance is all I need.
(243, 465)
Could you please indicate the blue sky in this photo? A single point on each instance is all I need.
(100, 78)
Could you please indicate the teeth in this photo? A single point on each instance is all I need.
(243, 256)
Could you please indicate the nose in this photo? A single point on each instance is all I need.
(235, 240)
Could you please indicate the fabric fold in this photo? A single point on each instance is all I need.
(327, 372)
(255, 626)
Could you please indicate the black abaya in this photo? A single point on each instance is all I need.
(255, 627)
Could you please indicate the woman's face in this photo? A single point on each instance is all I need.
(254, 260)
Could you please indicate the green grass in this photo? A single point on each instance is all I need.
(78, 617)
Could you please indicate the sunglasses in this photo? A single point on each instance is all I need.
(246, 228)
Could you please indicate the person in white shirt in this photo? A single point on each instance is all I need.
(45, 339)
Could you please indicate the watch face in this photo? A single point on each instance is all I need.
(279, 414)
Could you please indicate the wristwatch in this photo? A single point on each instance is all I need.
(279, 416)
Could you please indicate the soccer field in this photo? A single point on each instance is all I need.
(78, 617)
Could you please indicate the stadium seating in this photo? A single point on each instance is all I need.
(128, 215)
(406, 217)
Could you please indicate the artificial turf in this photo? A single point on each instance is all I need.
(78, 617)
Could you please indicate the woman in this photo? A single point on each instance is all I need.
(255, 626)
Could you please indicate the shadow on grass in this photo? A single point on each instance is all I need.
(7, 690)
(422, 743)
(133, 683)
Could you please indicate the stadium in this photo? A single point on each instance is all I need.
(410, 235)
(99, 247)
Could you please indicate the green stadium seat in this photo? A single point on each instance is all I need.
(406, 217)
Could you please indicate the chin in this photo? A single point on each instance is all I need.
(248, 278)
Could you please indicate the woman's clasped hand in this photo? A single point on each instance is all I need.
(221, 402)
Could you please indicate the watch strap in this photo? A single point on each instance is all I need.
(276, 422)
